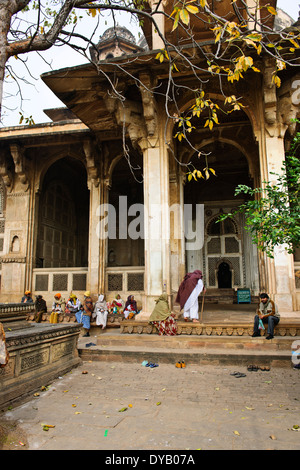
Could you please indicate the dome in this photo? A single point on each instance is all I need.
(119, 32)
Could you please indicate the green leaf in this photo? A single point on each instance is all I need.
(184, 16)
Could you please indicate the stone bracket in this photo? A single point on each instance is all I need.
(17, 153)
(92, 167)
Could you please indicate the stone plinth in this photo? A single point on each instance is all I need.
(37, 355)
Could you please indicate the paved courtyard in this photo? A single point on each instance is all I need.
(125, 406)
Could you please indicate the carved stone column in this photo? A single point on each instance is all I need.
(177, 239)
(95, 252)
(280, 277)
(157, 222)
(157, 41)
(19, 231)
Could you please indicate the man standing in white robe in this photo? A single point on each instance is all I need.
(188, 293)
(190, 309)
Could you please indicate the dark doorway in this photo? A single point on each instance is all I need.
(63, 216)
(126, 192)
(224, 276)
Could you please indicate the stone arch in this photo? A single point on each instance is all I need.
(15, 244)
(224, 275)
(229, 222)
(55, 157)
(112, 166)
(63, 216)
(125, 192)
(189, 101)
(233, 143)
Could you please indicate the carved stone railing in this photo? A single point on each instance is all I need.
(286, 327)
(13, 316)
(21, 307)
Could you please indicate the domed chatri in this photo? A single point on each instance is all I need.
(115, 42)
(117, 32)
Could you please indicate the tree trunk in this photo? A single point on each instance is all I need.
(5, 19)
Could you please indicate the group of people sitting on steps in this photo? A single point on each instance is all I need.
(83, 311)
(162, 317)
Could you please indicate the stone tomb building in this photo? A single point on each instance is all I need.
(56, 179)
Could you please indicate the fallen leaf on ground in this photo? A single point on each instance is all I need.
(236, 433)
(123, 409)
(273, 437)
(295, 428)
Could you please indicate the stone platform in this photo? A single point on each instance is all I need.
(220, 320)
(37, 355)
(286, 327)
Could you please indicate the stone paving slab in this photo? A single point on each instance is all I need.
(199, 407)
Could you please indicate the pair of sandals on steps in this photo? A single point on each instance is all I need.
(254, 368)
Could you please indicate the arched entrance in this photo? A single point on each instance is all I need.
(224, 275)
(126, 246)
(63, 222)
(222, 258)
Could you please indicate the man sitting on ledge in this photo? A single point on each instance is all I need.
(267, 312)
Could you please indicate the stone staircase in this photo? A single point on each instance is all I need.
(216, 343)
(224, 296)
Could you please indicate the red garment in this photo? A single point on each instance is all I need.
(167, 327)
(187, 286)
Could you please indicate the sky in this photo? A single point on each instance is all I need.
(36, 96)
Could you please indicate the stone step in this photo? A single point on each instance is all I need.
(204, 349)
(213, 357)
(117, 339)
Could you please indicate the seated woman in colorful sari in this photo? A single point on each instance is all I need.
(73, 305)
(162, 317)
(117, 305)
(130, 308)
(85, 313)
(101, 312)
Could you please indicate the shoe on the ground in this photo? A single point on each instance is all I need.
(255, 335)
(178, 365)
(269, 337)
